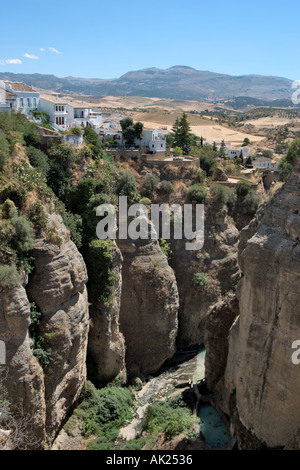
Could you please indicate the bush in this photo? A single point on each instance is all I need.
(149, 185)
(243, 188)
(38, 159)
(42, 350)
(198, 193)
(201, 280)
(207, 164)
(73, 222)
(38, 215)
(251, 202)
(162, 417)
(166, 186)
(285, 169)
(223, 194)
(4, 150)
(23, 237)
(127, 186)
(99, 263)
(9, 276)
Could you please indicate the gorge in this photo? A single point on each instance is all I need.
(245, 313)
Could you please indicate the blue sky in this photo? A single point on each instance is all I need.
(105, 39)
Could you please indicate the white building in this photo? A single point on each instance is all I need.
(263, 163)
(26, 98)
(57, 110)
(232, 152)
(154, 140)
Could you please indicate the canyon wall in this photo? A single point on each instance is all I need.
(260, 384)
(58, 288)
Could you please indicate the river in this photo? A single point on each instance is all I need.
(184, 368)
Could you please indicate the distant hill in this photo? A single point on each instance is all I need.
(177, 82)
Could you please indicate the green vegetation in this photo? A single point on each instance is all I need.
(243, 188)
(181, 135)
(9, 276)
(127, 186)
(208, 164)
(224, 194)
(38, 159)
(165, 247)
(149, 185)
(42, 348)
(93, 141)
(198, 193)
(99, 263)
(131, 131)
(166, 186)
(200, 280)
(4, 150)
(102, 413)
(171, 417)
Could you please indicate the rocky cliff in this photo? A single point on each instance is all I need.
(260, 385)
(149, 307)
(106, 345)
(217, 261)
(57, 287)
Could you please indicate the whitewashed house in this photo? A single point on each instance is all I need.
(26, 98)
(232, 152)
(7, 99)
(263, 163)
(154, 140)
(57, 110)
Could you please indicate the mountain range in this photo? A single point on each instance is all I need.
(178, 82)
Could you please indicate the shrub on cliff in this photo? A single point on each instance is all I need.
(198, 193)
(99, 264)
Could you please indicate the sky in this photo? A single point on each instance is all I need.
(106, 39)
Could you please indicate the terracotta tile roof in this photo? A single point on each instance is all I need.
(19, 86)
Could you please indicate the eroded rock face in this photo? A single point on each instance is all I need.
(149, 306)
(106, 346)
(22, 376)
(218, 323)
(260, 374)
(217, 260)
(58, 287)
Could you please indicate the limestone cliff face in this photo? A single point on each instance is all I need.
(260, 378)
(58, 287)
(149, 306)
(218, 261)
(106, 346)
(22, 375)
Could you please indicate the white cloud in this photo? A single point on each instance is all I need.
(55, 50)
(10, 61)
(31, 56)
(42, 49)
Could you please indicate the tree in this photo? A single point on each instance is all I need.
(243, 188)
(207, 164)
(131, 131)
(149, 185)
(127, 186)
(181, 133)
(93, 141)
(222, 153)
(246, 142)
(198, 193)
(177, 151)
(4, 150)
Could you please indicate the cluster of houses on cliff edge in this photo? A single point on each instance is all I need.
(65, 114)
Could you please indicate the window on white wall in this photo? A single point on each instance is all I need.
(28, 102)
(21, 102)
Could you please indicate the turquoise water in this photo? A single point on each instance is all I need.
(212, 426)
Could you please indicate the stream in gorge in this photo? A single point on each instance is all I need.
(179, 373)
